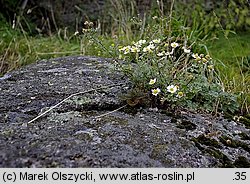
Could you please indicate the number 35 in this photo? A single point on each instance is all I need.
(240, 176)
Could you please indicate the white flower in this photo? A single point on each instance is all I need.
(134, 49)
(122, 49)
(149, 48)
(196, 57)
(180, 94)
(207, 57)
(88, 23)
(137, 45)
(204, 60)
(156, 91)
(152, 81)
(146, 49)
(76, 33)
(174, 44)
(210, 67)
(169, 53)
(186, 50)
(172, 89)
(141, 42)
(161, 54)
(126, 49)
(156, 41)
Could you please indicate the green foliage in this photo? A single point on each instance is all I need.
(210, 17)
(17, 48)
(174, 76)
(233, 65)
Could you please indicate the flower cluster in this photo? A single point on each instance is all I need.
(135, 48)
(89, 27)
(201, 58)
(161, 49)
(168, 69)
(170, 89)
(126, 49)
(140, 46)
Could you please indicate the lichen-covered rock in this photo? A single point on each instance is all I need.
(72, 134)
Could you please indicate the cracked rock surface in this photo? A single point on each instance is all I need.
(70, 135)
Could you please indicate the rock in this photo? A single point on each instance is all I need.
(71, 135)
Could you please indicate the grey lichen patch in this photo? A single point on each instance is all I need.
(113, 120)
(7, 132)
(88, 134)
(64, 117)
(79, 100)
(54, 70)
(159, 151)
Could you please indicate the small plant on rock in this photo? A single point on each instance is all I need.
(175, 76)
(170, 73)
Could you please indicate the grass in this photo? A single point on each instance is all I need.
(232, 48)
(233, 62)
(17, 48)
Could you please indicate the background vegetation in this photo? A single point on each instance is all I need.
(220, 29)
